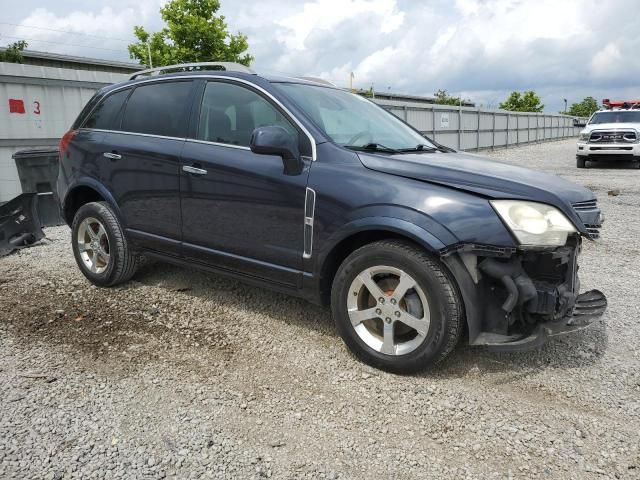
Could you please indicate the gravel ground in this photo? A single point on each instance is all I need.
(179, 374)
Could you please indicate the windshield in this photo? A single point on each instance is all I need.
(616, 116)
(351, 120)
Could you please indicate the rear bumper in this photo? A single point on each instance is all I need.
(589, 307)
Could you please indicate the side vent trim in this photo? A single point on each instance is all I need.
(309, 212)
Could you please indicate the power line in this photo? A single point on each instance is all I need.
(61, 43)
(64, 31)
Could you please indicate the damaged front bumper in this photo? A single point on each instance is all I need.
(19, 223)
(589, 306)
(516, 299)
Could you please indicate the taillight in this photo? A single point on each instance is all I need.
(65, 141)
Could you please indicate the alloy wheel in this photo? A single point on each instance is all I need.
(93, 245)
(388, 310)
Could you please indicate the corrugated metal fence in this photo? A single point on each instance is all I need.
(38, 104)
(469, 128)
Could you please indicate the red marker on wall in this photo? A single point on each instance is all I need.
(16, 106)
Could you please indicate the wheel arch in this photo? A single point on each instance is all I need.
(363, 232)
(85, 192)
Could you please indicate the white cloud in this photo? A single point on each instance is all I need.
(104, 32)
(326, 14)
(482, 48)
(607, 62)
(468, 7)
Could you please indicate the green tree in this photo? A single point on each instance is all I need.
(193, 33)
(13, 52)
(585, 108)
(369, 93)
(443, 98)
(528, 101)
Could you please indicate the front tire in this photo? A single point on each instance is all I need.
(100, 246)
(396, 307)
(581, 162)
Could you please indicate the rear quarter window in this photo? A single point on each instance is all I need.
(158, 109)
(106, 115)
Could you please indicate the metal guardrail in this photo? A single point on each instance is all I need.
(468, 128)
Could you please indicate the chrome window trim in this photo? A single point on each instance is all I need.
(153, 135)
(229, 145)
(218, 144)
(205, 76)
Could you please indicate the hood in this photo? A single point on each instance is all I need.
(482, 176)
(611, 126)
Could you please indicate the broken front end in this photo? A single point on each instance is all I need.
(515, 298)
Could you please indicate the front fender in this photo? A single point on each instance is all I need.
(407, 229)
(315, 266)
(391, 224)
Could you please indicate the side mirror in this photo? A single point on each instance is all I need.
(275, 140)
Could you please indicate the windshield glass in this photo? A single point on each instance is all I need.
(617, 116)
(351, 120)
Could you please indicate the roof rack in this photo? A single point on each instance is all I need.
(193, 67)
(317, 80)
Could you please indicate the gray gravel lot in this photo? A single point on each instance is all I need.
(179, 374)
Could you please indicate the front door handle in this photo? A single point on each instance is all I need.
(112, 156)
(194, 170)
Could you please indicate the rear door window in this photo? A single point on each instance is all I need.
(158, 109)
(106, 115)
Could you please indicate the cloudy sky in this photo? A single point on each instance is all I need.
(481, 49)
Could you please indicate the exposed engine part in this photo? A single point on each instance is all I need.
(518, 285)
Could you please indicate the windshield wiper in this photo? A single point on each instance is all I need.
(373, 147)
(444, 149)
(421, 147)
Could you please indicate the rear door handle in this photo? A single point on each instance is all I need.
(112, 156)
(194, 170)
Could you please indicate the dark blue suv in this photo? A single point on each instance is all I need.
(308, 189)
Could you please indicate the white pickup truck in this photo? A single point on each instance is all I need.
(611, 135)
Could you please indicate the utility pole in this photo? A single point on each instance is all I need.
(149, 53)
(565, 106)
(460, 122)
(351, 81)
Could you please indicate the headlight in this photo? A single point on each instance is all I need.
(534, 223)
(584, 137)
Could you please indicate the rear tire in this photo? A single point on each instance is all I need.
(581, 162)
(100, 246)
(413, 290)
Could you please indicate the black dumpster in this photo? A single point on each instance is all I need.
(38, 171)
